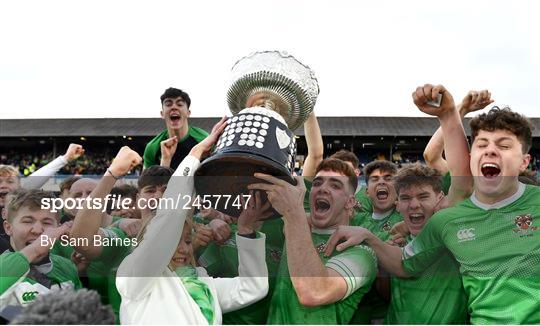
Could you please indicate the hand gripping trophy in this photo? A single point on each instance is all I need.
(271, 94)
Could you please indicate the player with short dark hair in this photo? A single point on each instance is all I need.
(492, 234)
(171, 146)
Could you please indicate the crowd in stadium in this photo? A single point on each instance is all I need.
(90, 164)
(454, 239)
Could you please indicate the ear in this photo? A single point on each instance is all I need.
(188, 112)
(351, 202)
(8, 228)
(525, 162)
(161, 114)
(442, 202)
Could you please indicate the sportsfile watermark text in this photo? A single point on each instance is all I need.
(114, 202)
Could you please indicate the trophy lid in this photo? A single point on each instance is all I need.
(278, 78)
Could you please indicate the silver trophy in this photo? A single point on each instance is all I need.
(271, 93)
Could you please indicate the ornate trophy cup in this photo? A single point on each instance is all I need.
(271, 94)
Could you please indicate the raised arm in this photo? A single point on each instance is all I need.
(315, 284)
(456, 146)
(389, 257)
(315, 146)
(37, 179)
(160, 240)
(154, 251)
(433, 154)
(89, 219)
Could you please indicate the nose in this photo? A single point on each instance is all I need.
(183, 249)
(491, 150)
(414, 203)
(324, 188)
(37, 228)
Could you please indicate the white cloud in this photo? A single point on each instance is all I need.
(114, 58)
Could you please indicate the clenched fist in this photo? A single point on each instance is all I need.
(125, 160)
(168, 148)
(73, 152)
(424, 94)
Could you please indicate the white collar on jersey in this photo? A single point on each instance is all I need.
(380, 216)
(502, 203)
(322, 231)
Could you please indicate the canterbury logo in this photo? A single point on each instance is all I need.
(466, 235)
(29, 296)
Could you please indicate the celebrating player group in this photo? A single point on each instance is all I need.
(454, 240)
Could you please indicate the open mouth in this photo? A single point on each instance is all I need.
(490, 170)
(175, 117)
(322, 205)
(416, 218)
(3, 194)
(382, 194)
(180, 260)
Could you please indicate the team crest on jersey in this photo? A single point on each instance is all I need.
(386, 226)
(524, 225)
(275, 254)
(320, 248)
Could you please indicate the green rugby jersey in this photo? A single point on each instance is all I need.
(373, 306)
(222, 261)
(357, 265)
(101, 271)
(435, 296)
(21, 282)
(152, 151)
(380, 226)
(498, 250)
(362, 198)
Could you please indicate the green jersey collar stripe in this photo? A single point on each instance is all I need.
(502, 203)
(323, 231)
(381, 216)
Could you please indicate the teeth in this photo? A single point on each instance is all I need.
(490, 165)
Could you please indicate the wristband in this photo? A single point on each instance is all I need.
(112, 175)
(252, 235)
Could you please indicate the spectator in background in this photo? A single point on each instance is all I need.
(171, 146)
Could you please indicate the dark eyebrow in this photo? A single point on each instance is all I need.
(334, 179)
(503, 139)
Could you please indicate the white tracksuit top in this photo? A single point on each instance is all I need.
(153, 294)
